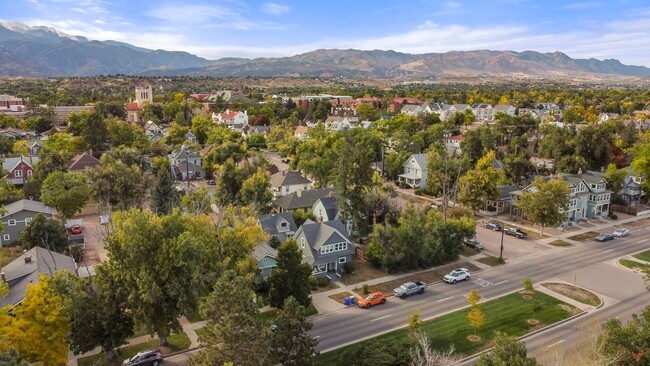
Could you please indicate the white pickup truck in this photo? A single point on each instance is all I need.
(410, 288)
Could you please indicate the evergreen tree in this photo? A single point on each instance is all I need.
(164, 196)
(290, 343)
(290, 277)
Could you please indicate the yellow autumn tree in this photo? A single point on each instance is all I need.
(473, 298)
(476, 318)
(39, 326)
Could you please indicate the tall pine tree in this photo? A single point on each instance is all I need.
(164, 196)
(290, 277)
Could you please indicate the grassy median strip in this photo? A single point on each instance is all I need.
(574, 292)
(634, 264)
(492, 261)
(588, 236)
(560, 243)
(510, 314)
(644, 256)
(177, 342)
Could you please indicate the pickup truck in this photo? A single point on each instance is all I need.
(410, 288)
(515, 232)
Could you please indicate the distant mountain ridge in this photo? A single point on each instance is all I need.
(43, 51)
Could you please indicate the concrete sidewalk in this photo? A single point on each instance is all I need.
(324, 304)
(584, 307)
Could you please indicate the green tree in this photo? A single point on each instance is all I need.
(97, 311)
(256, 190)
(164, 196)
(92, 128)
(615, 179)
(290, 276)
(197, 202)
(367, 112)
(229, 180)
(480, 185)
(290, 344)
(45, 233)
(641, 160)
(527, 283)
(233, 332)
(202, 128)
(445, 170)
(508, 351)
(628, 343)
(67, 192)
(121, 133)
(546, 203)
(159, 290)
(118, 181)
(10, 357)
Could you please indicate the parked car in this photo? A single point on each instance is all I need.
(372, 299)
(604, 237)
(456, 275)
(493, 226)
(473, 243)
(145, 358)
(515, 232)
(619, 233)
(75, 229)
(285, 160)
(410, 288)
(434, 206)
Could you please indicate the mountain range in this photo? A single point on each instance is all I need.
(43, 52)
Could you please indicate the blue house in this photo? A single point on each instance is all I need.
(326, 247)
(280, 225)
(266, 259)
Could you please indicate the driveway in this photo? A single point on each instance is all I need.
(512, 247)
(94, 234)
(274, 158)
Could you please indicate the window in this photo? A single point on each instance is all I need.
(342, 260)
(18, 173)
(302, 243)
(330, 248)
(283, 224)
(11, 222)
(6, 237)
(29, 173)
(28, 220)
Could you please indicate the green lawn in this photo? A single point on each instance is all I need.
(507, 314)
(588, 236)
(311, 310)
(194, 317)
(492, 261)
(8, 254)
(644, 256)
(634, 264)
(177, 342)
(560, 243)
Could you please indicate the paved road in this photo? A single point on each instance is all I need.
(350, 325)
(179, 360)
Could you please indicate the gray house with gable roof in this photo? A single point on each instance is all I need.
(281, 225)
(326, 247)
(289, 181)
(415, 171)
(18, 215)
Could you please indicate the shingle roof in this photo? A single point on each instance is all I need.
(269, 222)
(263, 250)
(505, 191)
(19, 274)
(28, 205)
(288, 178)
(319, 234)
(420, 159)
(329, 203)
(306, 199)
(80, 161)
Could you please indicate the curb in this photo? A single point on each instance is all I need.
(183, 351)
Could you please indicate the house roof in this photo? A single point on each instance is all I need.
(304, 199)
(420, 159)
(503, 107)
(329, 204)
(28, 205)
(328, 232)
(504, 191)
(457, 138)
(184, 153)
(301, 130)
(264, 250)
(271, 222)
(9, 164)
(288, 178)
(184, 166)
(81, 161)
(21, 273)
(132, 107)
(206, 150)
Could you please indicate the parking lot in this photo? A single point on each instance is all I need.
(512, 247)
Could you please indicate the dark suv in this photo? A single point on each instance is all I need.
(145, 358)
(492, 226)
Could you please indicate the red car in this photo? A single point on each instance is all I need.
(374, 298)
(75, 229)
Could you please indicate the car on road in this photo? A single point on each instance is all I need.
(458, 274)
(604, 237)
(372, 299)
(473, 243)
(515, 232)
(410, 288)
(75, 229)
(619, 233)
(493, 226)
(145, 358)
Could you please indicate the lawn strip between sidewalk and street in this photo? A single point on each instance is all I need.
(514, 314)
(644, 256)
(588, 236)
(177, 342)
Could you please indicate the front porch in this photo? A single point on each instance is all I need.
(410, 180)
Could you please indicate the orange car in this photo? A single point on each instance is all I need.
(374, 298)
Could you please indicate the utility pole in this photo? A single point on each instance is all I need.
(501, 251)
(187, 170)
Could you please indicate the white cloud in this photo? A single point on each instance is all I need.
(275, 9)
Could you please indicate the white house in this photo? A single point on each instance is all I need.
(483, 112)
(604, 117)
(507, 109)
(452, 143)
(230, 118)
(288, 181)
(411, 109)
(415, 171)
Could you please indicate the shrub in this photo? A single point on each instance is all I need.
(364, 289)
(418, 192)
(527, 283)
(350, 267)
(313, 282)
(322, 281)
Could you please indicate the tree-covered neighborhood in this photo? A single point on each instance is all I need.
(220, 216)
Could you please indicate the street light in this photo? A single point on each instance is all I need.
(501, 252)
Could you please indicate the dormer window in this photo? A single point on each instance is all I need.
(283, 224)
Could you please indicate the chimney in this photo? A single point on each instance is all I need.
(320, 219)
(3, 276)
(299, 193)
(28, 259)
(580, 171)
(283, 173)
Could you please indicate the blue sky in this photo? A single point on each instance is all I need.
(239, 28)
